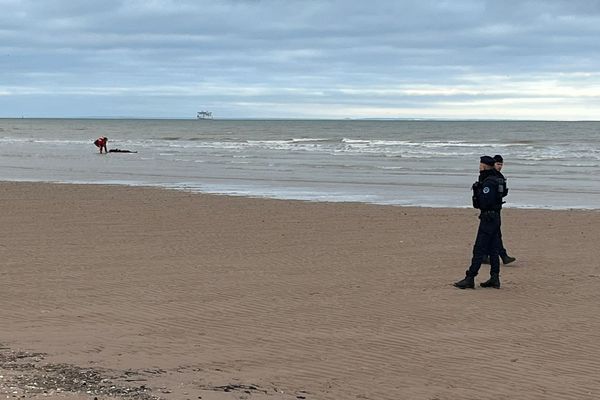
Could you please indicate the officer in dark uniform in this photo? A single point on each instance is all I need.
(487, 196)
(506, 259)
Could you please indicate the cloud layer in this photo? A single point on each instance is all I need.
(301, 59)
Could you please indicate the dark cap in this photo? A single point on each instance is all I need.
(487, 160)
(498, 158)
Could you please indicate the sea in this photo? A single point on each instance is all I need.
(549, 165)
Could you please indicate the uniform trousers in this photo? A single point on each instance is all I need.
(502, 251)
(488, 241)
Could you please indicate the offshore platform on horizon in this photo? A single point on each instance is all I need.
(204, 115)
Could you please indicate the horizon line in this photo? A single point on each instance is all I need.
(408, 119)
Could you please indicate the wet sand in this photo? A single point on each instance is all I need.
(181, 296)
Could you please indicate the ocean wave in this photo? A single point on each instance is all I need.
(355, 141)
(19, 140)
(170, 138)
(310, 140)
(524, 155)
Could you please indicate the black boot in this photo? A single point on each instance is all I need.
(493, 282)
(486, 260)
(506, 259)
(467, 283)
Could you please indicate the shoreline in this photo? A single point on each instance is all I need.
(266, 197)
(194, 295)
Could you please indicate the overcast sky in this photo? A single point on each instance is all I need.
(301, 59)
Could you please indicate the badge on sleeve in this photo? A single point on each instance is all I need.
(486, 190)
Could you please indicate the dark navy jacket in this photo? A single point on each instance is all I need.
(502, 180)
(488, 191)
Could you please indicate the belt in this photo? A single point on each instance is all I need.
(490, 212)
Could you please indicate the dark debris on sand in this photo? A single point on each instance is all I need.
(248, 389)
(27, 374)
(251, 389)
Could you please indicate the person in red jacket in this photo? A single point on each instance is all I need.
(101, 143)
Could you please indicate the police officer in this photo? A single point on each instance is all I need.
(506, 259)
(487, 196)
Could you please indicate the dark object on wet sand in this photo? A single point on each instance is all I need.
(121, 151)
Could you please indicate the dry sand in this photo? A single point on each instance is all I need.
(185, 296)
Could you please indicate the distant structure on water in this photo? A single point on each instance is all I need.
(204, 115)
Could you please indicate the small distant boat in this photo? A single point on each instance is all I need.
(204, 115)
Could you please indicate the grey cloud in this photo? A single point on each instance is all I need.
(304, 52)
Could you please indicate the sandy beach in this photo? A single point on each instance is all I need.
(174, 295)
